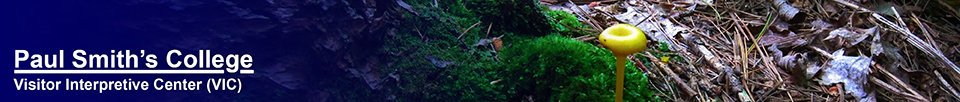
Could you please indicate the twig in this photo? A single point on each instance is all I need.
(740, 11)
(955, 13)
(896, 80)
(583, 13)
(895, 13)
(644, 19)
(587, 2)
(744, 59)
(723, 32)
(714, 9)
(911, 97)
(822, 52)
(673, 76)
(468, 29)
(714, 39)
(923, 28)
(884, 85)
(764, 30)
(636, 61)
(728, 18)
(417, 29)
(714, 61)
(488, 30)
(946, 84)
(913, 39)
(585, 38)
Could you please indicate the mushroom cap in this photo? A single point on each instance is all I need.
(623, 39)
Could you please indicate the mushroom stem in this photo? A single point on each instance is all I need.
(621, 63)
(622, 40)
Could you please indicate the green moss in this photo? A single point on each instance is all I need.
(559, 68)
(434, 33)
(517, 16)
(566, 23)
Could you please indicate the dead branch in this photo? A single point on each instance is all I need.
(468, 29)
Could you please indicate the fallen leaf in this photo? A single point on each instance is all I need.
(407, 6)
(595, 3)
(497, 44)
(849, 36)
(833, 90)
(820, 24)
(482, 42)
(852, 71)
(786, 10)
(440, 63)
(786, 39)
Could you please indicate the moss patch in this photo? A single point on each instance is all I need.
(566, 23)
(537, 63)
(555, 68)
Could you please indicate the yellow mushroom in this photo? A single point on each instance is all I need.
(622, 40)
